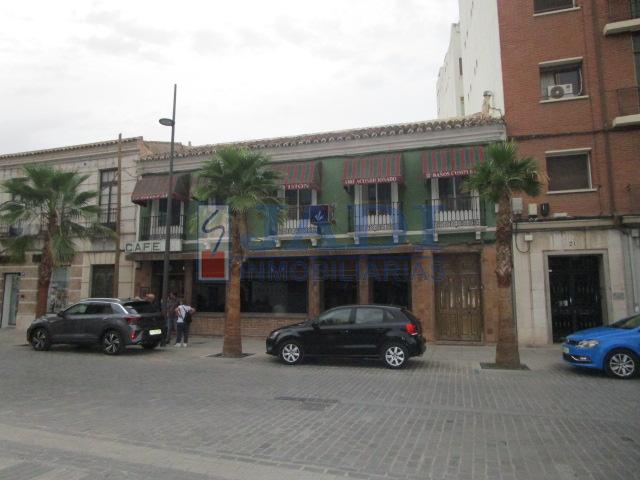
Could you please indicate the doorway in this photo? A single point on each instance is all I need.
(575, 293)
(458, 297)
(10, 299)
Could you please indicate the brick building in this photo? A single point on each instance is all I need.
(570, 71)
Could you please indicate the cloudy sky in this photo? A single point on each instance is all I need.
(80, 71)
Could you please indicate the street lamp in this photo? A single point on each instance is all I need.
(168, 122)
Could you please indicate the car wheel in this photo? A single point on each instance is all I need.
(395, 355)
(291, 352)
(112, 342)
(150, 345)
(621, 364)
(40, 339)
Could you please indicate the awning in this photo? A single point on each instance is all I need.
(300, 175)
(450, 162)
(153, 187)
(384, 168)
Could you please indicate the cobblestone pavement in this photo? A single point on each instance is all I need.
(74, 413)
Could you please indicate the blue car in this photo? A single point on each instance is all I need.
(614, 348)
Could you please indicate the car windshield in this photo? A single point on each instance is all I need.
(140, 307)
(627, 323)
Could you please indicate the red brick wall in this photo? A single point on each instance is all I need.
(252, 325)
(526, 40)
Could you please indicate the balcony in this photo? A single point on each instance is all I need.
(20, 228)
(624, 16)
(108, 216)
(628, 111)
(454, 215)
(155, 228)
(376, 219)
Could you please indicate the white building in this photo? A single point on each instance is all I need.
(472, 65)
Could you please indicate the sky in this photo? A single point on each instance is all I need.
(81, 71)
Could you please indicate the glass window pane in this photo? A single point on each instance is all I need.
(569, 172)
(369, 315)
(384, 193)
(305, 197)
(341, 316)
(460, 181)
(291, 197)
(371, 193)
(446, 187)
(77, 309)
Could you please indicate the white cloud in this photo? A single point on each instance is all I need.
(76, 71)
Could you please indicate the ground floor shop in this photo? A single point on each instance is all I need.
(90, 274)
(451, 289)
(573, 275)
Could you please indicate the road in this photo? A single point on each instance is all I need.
(74, 413)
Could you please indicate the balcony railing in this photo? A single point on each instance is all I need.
(155, 227)
(298, 221)
(108, 216)
(21, 228)
(376, 217)
(628, 101)
(620, 10)
(450, 213)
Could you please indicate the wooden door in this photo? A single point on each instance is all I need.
(458, 297)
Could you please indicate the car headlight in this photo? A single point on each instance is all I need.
(588, 343)
(274, 334)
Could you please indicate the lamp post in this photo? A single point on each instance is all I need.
(168, 122)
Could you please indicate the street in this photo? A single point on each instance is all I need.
(74, 413)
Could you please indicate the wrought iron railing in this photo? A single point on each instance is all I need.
(628, 101)
(155, 227)
(541, 6)
(447, 213)
(108, 216)
(620, 10)
(21, 228)
(297, 221)
(376, 217)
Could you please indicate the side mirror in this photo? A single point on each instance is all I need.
(61, 313)
(315, 323)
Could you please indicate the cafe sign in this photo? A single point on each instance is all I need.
(153, 246)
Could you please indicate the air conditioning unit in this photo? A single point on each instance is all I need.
(559, 91)
(516, 205)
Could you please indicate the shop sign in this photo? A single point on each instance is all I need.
(153, 246)
(213, 242)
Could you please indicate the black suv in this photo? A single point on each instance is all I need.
(391, 333)
(110, 322)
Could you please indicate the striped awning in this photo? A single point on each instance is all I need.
(450, 162)
(383, 168)
(152, 187)
(300, 175)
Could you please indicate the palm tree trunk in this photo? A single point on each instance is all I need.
(45, 269)
(507, 353)
(232, 343)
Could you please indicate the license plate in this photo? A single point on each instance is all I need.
(155, 332)
(565, 349)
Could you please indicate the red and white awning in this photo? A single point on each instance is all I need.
(451, 162)
(382, 168)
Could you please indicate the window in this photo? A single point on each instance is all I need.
(569, 172)
(140, 307)
(369, 315)
(452, 194)
(460, 65)
(274, 296)
(541, 6)
(78, 309)
(99, 309)
(560, 81)
(298, 202)
(176, 210)
(108, 191)
(102, 281)
(341, 316)
(378, 198)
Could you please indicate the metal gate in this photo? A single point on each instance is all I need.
(458, 295)
(576, 303)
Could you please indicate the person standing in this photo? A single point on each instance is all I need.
(170, 316)
(183, 321)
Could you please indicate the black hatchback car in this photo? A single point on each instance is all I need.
(110, 322)
(390, 333)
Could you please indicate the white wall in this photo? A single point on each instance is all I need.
(479, 48)
(449, 86)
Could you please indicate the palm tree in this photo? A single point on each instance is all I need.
(241, 178)
(497, 180)
(53, 211)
